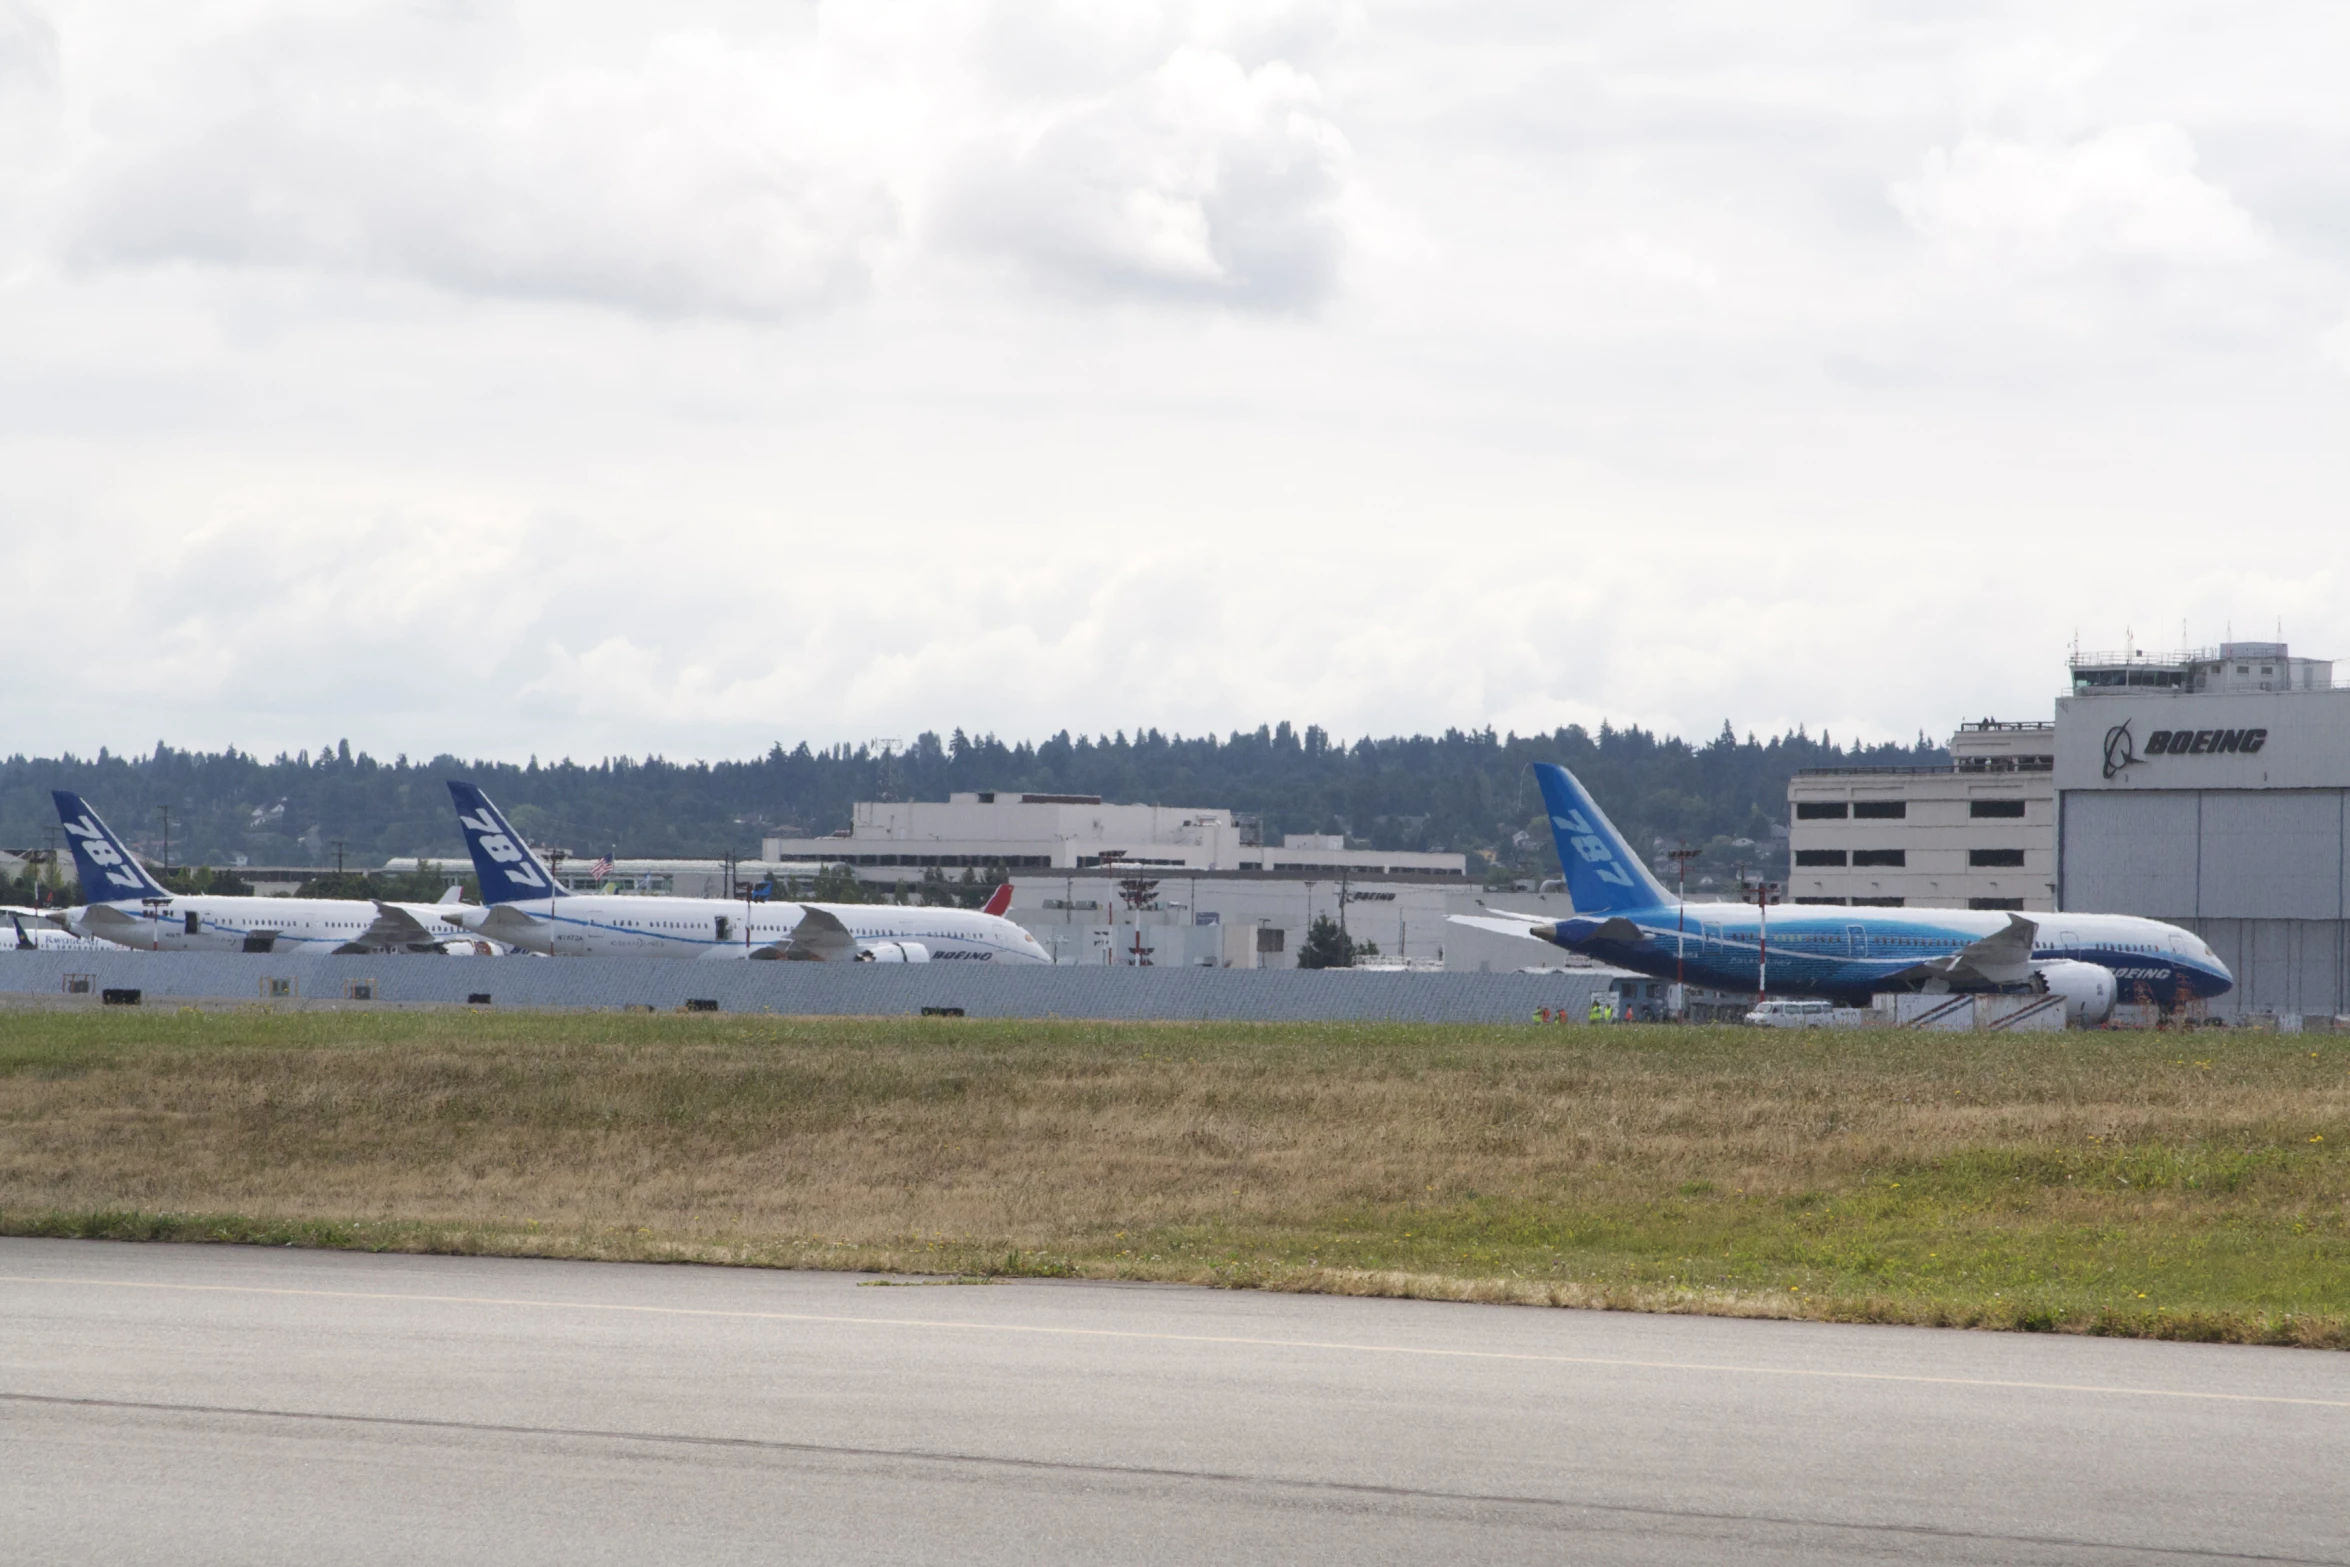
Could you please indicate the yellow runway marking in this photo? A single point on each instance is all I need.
(1135, 1336)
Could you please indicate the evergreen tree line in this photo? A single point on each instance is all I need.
(1464, 790)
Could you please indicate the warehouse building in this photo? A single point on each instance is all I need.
(897, 840)
(2212, 789)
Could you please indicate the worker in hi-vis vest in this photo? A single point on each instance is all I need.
(1601, 1012)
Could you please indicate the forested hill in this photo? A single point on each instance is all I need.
(1463, 790)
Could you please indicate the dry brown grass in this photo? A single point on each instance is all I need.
(2111, 1182)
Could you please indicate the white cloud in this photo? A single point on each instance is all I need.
(696, 170)
(2132, 191)
(1199, 177)
(2333, 347)
(702, 177)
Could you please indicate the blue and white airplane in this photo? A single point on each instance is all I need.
(29, 930)
(1624, 916)
(524, 905)
(128, 907)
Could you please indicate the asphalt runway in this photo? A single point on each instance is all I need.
(217, 1404)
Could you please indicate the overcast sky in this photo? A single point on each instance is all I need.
(580, 379)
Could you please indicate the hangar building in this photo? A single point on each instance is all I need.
(2212, 789)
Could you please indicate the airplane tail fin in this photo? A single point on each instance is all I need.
(110, 873)
(509, 872)
(1604, 876)
(998, 901)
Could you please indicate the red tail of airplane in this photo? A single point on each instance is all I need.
(998, 901)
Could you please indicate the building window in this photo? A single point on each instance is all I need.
(1819, 810)
(1983, 808)
(1898, 858)
(1878, 903)
(1269, 938)
(1880, 810)
(1993, 859)
(1837, 901)
(1994, 903)
(1819, 856)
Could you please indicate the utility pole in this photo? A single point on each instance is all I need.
(164, 811)
(1762, 948)
(1681, 858)
(338, 856)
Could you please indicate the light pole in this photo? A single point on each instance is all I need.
(164, 811)
(1681, 858)
(1762, 939)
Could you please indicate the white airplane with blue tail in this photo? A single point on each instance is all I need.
(1624, 916)
(524, 905)
(128, 907)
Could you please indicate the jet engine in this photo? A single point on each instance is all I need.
(915, 952)
(2087, 988)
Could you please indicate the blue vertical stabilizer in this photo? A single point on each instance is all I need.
(509, 872)
(110, 873)
(1604, 876)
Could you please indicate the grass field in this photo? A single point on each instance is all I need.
(2180, 1186)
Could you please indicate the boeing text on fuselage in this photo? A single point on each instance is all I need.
(1625, 917)
(523, 904)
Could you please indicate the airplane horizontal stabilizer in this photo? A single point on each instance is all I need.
(1500, 925)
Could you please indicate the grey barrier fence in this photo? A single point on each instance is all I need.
(803, 989)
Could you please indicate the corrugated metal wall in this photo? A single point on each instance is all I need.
(827, 989)
(2263, 875)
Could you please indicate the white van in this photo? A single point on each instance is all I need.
(1791, 1012)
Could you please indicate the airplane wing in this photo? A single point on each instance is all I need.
(2002, 958)
(819, 937)
(400, 929)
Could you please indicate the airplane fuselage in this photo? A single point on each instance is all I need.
(624, 925)
(1848, 954)
(221, 923)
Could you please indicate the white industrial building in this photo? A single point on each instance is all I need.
(899, 840)
(659, 878)
(2212, 789)
(1252, 920)
(1979, 833)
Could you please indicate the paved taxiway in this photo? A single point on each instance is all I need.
(194, 1404)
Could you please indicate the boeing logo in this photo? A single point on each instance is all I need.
(2121, 749)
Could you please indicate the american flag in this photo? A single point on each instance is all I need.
(602, 868)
